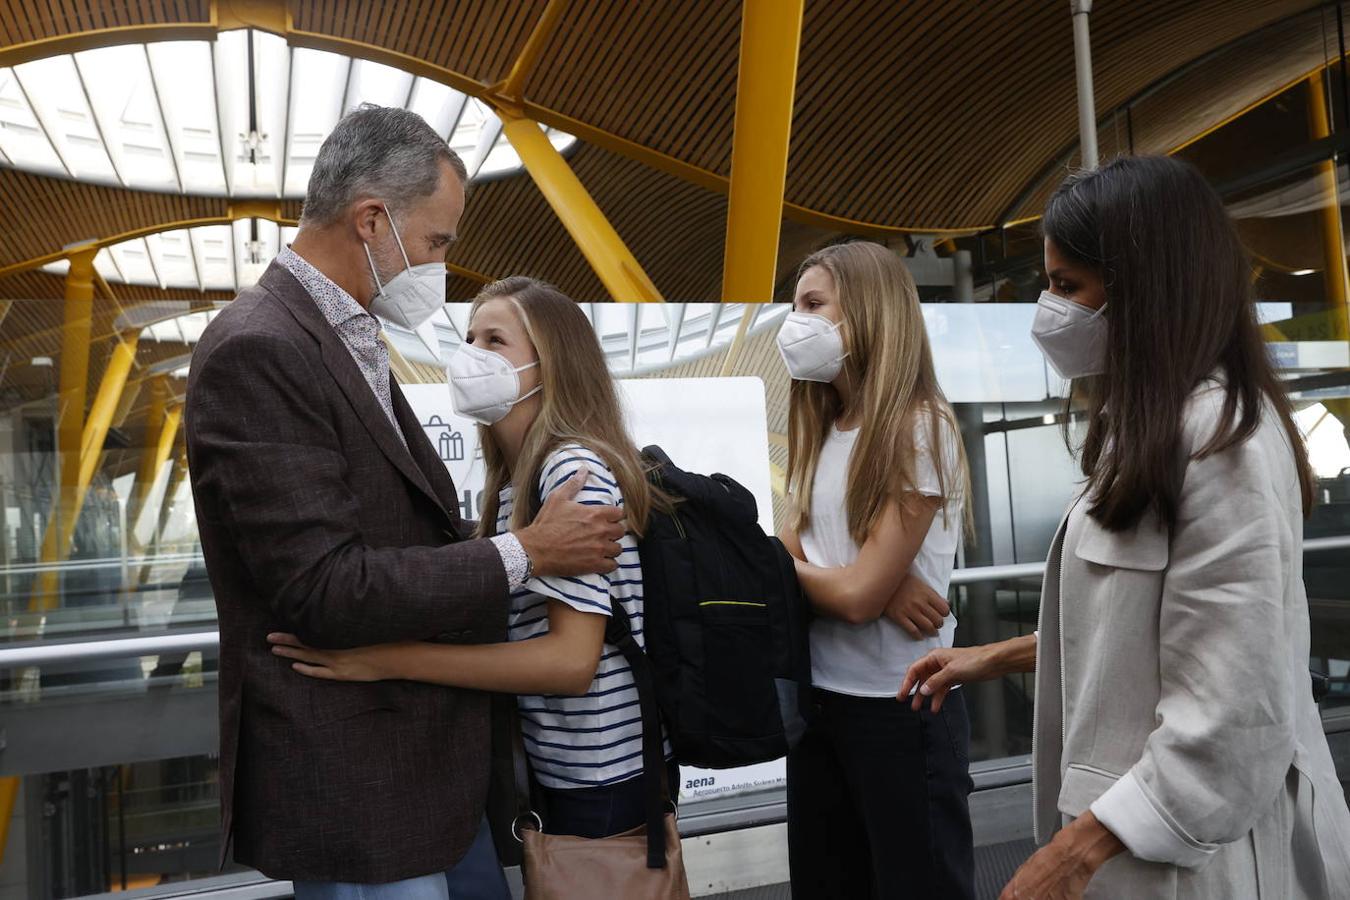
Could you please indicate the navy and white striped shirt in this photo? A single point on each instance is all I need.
(594, 739)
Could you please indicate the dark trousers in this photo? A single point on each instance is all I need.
(598, 812)
(878, 802)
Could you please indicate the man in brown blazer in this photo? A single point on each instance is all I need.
(324, 510)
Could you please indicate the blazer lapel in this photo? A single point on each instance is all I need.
(340, 364)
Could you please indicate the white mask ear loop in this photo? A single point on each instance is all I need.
(375, 273)
(398, 240)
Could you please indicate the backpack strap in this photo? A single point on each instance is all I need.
(619, 634)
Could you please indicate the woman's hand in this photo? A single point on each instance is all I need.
(1062, 869)
(917, 608)
(359, 664)
(941, 670)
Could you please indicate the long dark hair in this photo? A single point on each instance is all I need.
(1180, 306)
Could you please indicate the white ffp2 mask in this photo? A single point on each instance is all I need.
(1072, 337)
(484, 385)
(412, 296)
(811, 346)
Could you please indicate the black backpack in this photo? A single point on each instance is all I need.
(727, 664)
(725, 623)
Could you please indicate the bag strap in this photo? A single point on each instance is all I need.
(520, 768)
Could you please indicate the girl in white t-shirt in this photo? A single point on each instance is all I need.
(877, 792)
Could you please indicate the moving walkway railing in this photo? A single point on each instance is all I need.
(40, 653)
(706, 816)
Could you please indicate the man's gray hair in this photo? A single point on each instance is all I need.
(377, 151)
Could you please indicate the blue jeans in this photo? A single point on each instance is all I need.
(477, 876)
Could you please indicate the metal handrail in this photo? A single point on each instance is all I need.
(47, 653)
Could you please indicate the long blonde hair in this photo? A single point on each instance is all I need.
(890, 362)
(578, 404)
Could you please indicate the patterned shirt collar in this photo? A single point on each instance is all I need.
(337, 305)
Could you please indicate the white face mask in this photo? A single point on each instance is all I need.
(484, 385)
(1072, 337)
(811, 346)
(413, 295)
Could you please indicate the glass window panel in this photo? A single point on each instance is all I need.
(465, 138)
(104, 265)
(214, 246)
(185, 83)
(376, 83)
(133, 260)
(123, 97)
(22, 138)
(57, 95)
(439, 104)
(171, 252)
(319, 83)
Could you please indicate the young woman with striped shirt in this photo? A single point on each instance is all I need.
(562, 421)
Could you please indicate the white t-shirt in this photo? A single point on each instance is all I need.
(870, 660)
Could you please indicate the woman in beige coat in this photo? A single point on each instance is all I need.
(1177, 748)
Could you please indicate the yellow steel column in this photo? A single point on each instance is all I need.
(153, 453)
(74, 382)
(618, 269)
(1333, 236)
(104, 406)
(9, 790)
(771, 32)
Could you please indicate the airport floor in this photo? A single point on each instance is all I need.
(994, 865)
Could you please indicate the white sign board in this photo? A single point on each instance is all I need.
(705, 425)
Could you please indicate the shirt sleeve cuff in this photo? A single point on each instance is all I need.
(1130, 813)
(514, 559)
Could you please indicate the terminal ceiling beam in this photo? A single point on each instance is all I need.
(73, 383)
(771, 37)
(160, 433)
(615, 265)
(1333, 238)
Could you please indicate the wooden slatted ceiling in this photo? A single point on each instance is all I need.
(480, 40)
(1258, 64)
(22, 21)
(43, 214)
(922, 114)
(930, 113)
(676, 230)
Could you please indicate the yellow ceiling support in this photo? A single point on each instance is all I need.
(105, 405)
(777, 479)
(514, 85)
(597, 240)
(74, 380)
(771, 36)
(1336, 278)
(734, 350)
(9, 790)
(154, 452)
(61, 528)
